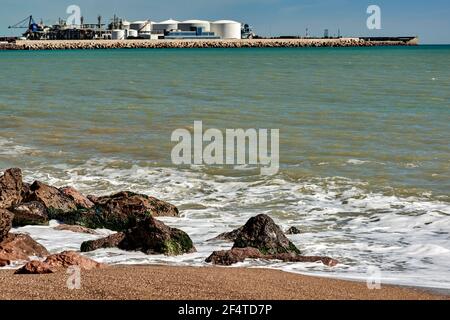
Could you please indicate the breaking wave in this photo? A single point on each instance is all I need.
(406, 238)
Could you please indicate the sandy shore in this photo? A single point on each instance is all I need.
(155, 44)
(187, 283)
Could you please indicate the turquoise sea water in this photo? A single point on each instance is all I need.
(364, 143)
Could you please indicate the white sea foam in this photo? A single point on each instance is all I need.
(357, 161)
(407, 238)
(9, 148)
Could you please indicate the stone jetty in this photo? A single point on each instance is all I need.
(165, 44)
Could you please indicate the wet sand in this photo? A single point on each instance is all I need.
(189, 283)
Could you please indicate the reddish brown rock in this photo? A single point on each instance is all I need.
(118, 212)
(80, 200)
(235, 255)
(16, 247)
(25, 189)
(149, 236)
(111, 241)
(60, 261)
(92, 198)
(261, 238)
(4, 263)
(54, 200)
(229, 257)
(6, 218)
(129, 203)
(262, 233)
(72, 258)
(30, 213)
(36, 267)
(10, 188)
(291, 257)
(75, 228)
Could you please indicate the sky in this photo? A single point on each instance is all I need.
(430, 20)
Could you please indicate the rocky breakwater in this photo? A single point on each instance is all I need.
(261, 238)
(164, 44)
(131, 214)
(134, 218)
(38, 203)
(14, 247)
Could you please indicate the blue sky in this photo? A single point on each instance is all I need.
(428, 19)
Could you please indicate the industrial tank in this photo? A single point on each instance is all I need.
(166, 25)
(188, 25)
(226, 29)
(125, 25)
(132, 33)
(141, 26)
(118, 34)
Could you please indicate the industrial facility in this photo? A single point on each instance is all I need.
(121, 29)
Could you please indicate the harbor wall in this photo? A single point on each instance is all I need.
(155, 44)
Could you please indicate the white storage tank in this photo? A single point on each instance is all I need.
(226, 29)
(125, 25)
(166, 25)
(141, 26)
(132, 34)
(118, 34)
(189, 24)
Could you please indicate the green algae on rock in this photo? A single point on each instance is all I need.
(149, 236)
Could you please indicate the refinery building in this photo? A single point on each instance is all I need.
(173, 29)
(120, 29)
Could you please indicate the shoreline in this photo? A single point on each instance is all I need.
(133, 218)
(204, 283)
(167, 44)
(424, 289)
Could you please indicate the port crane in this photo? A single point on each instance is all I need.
(33, 29)
(26, 23)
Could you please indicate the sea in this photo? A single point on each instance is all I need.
(364, 147)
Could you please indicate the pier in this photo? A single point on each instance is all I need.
(203, 43)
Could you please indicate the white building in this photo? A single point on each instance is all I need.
(167, 25)
(141, 26)
(188, 25)
(226, 29)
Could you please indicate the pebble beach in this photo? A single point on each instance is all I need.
(189, 283)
